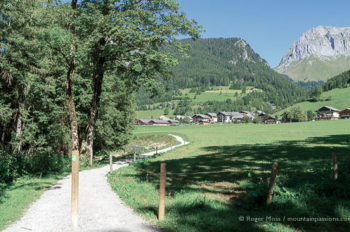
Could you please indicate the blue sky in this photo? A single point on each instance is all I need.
(269, 26)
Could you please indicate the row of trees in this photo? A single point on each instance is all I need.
(69, 70)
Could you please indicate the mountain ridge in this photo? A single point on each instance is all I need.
(323, 48)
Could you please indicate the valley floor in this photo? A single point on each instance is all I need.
(218, 182)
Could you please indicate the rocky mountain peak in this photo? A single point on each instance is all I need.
(320, 42)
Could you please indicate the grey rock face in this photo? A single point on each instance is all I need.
(321, 42)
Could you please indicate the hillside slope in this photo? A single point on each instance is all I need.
(338, 98)
(225, 62)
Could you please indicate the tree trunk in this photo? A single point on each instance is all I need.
(19, 120)
(98, 73)
(69, 93)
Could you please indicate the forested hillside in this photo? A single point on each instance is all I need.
(227, 62)
(340, 81)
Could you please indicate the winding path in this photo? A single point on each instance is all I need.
(101, 210)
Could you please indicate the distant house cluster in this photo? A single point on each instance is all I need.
(209, 118)
(324, 113)
(331, 113)
(156, 122)
(232, 117)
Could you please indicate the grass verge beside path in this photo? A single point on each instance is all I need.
(219, 181)
(17, 197)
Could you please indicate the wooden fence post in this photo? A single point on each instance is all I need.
(161, 209)
(75, 188)
(272, 183)
(134, 156)
(110, 162)
(335, 165)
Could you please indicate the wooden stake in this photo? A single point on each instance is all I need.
(272, 183)
(110, 162)
(134, 156)
(75, 187)
(161, 210)
(335, 165)
(156, 150)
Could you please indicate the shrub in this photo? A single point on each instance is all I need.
(14, 165)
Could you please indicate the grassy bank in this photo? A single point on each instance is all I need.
(222, 176)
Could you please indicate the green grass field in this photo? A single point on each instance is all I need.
(219, 93)
(338, 98)
(149, 114)
(222, 176)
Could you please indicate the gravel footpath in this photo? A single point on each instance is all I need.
(100, 209)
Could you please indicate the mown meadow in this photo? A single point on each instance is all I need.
(221, 177)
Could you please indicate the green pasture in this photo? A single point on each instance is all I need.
(218, 93)
(338, 98)
(222, 177)
(149, 114)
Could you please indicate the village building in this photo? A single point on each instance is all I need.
(270, 119)
(173, 122)
(201, 119)
(327, 113)
(226, 117)
(345, 113)
(142, 122)
(156, 122)
(247, 114)
(213, 117)
(261, 114)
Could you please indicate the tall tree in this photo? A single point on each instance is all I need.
(70, 74)
(19, 56)
(128, 36)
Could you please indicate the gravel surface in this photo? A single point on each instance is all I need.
(100, 209)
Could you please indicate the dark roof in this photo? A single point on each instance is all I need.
(328, 108)
(270, 117)
(160, 121)
(249, 114)
(212, 114)
(173, 121)
(260, 113)
(200, 116)
(145, 121)
(232, 114)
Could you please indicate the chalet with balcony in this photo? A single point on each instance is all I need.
(226, 117)
(327, 113)
(201, 119)
(213, 117)
(345, 114)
